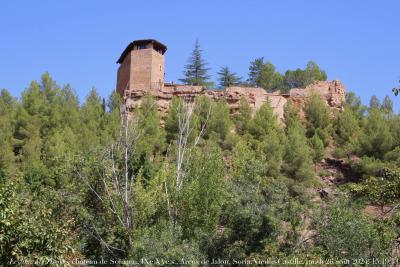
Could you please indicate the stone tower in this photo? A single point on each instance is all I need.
(141, 67)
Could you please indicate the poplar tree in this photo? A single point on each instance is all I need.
(196, 71)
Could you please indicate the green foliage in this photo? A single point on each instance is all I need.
(242, 118)
(291, 116)
(243, 193)
(348, 132)
(196, 72)
(381, 189)
(91, 117)
(172, 120)
(344, 232)
(152, 137)
(7, 121)
(203, 196)
(387, 105)
(220, 122)
(301, 78)
(393, 155)
(318, 118)
(245, 166)
(354, 103)
(272, 151)
(28, 233)
(374, 102)
(159, 242)
(394, 125)
(228, 78)
(377, 140)
(263, 74)
(254, 218)
(264, 122)
(298, 162)
(318, 148)
(347, 127)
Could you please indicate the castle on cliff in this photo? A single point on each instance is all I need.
(142, 71)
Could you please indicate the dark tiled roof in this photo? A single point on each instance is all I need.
(157, 45)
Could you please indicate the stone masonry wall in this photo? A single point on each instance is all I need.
(333, 92)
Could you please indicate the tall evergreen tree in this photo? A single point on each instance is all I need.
(7, 122)
(354, 103)
(263, 74)
(378, 139)
(243, 117)
(387, 105)
(374, 102)
(318, 118)
(313, 73)
(298, 155)
(220, 121)
(228, 78)
(196, 71)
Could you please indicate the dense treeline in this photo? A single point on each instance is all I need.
(77, 182)
(261, 74)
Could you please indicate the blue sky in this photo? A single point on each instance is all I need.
(78, 42)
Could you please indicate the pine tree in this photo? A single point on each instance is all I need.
(220, 121)
(347, 126)
(313, 73)
(301, 78)
(152, 136)
(387, 105)
(378, 139)
(298, 162)
(264, 122)
(318, 118)
(91, 116)
(263, 74)
(243, 117)
(291, 115)
(7, 122)
(354, 103)
(318, 148)
(228, 78)
(374, 102)
(298, 156)
(196, 72)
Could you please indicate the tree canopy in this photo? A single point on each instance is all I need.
(80, 182)
(196, 71)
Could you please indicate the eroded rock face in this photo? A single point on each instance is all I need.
(333, 92)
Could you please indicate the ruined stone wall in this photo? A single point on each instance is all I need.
(333, 92)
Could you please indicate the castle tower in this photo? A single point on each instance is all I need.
(141, 66)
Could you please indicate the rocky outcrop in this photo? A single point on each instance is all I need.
(333, 92)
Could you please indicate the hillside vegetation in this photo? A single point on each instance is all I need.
(79, 183)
